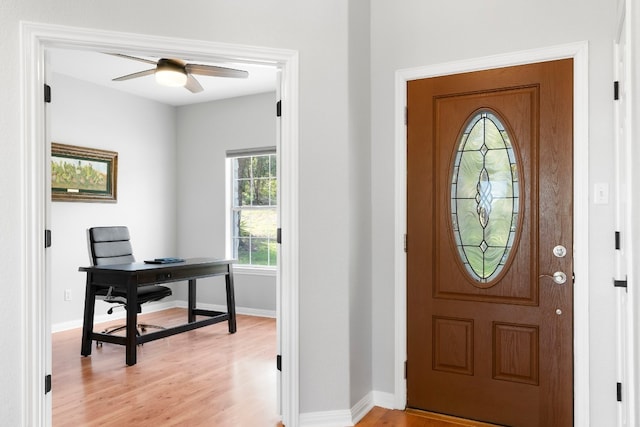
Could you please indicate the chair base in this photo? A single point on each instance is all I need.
(140, 327)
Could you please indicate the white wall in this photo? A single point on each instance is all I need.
(205, 132)
(143, 133)
(422, 33)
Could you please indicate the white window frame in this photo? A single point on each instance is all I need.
(246, 269)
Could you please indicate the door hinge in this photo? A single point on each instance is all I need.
(47, 238)
(47, 384)
(279, 108)
(405, 243)
(405, 369)
(619, 392)
(47, 93)
(617, 240)
(279, 235)
(406, 116)
(616, 91)
(279, 363)
(620, 283)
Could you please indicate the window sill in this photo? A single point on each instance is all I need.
(254, 271)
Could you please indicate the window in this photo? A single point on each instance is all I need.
(485, 197)
(253, 208)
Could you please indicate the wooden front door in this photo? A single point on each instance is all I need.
(489, 222)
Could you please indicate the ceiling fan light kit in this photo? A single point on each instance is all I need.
(170, 73)
(175, 72)
(171, 78)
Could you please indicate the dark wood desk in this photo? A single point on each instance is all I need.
(131, 276)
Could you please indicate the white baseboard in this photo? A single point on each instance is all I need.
(348, 418)
(326, 419)
(159, 306)
(384, 400)
(239, 310)
(362, 408)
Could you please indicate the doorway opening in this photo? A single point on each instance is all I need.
(36, 38)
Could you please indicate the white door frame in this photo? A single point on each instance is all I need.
(579, 53)
(35, 38)
(626, 73)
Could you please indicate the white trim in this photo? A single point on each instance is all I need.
(633, 317)
(246, 270)
(579, 53)
(628, 315)
(35, 37)
(362, 408)
(340, 418)
(623, 164)
(35, 404)
(357, 413)
(246, 311)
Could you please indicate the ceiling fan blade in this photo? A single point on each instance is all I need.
(134, 75)
(135, 58)
(192, 84)
(212, 70)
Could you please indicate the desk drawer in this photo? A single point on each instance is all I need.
(175, 274)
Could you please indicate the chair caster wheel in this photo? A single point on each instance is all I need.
(98, 344)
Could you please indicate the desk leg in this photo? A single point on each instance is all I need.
(191, 301)
(231, 301)
(132, 324)
(89, 310)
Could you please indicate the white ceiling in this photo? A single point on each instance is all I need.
(100, 68)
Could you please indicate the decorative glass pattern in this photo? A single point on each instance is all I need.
(484, 196)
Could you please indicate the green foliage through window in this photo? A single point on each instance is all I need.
(254, 209)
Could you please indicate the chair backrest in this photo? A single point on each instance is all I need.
(110, 245)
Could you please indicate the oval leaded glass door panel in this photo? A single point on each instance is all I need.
(484, 197)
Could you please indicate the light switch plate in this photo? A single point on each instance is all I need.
(601, 193)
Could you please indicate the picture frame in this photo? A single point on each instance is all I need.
(81, 174)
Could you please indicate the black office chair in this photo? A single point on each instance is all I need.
(111, 245)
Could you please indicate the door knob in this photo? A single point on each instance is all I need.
(558, 277)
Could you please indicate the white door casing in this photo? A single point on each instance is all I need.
(35, 38)
(626, 73)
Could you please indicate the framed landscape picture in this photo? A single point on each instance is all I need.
(80, 174)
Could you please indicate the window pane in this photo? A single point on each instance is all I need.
(261, 192)
(273, 191)
(272, 159)
(243, 250)
(254, 210)
(261, 169)
(260, 251)
(239, 226)
(244, 167)
(259, 222)
(242, 196)
(273, 252)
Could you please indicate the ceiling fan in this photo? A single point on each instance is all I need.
(176, 72)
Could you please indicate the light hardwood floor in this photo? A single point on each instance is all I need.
(204, 377)
(386, 417)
